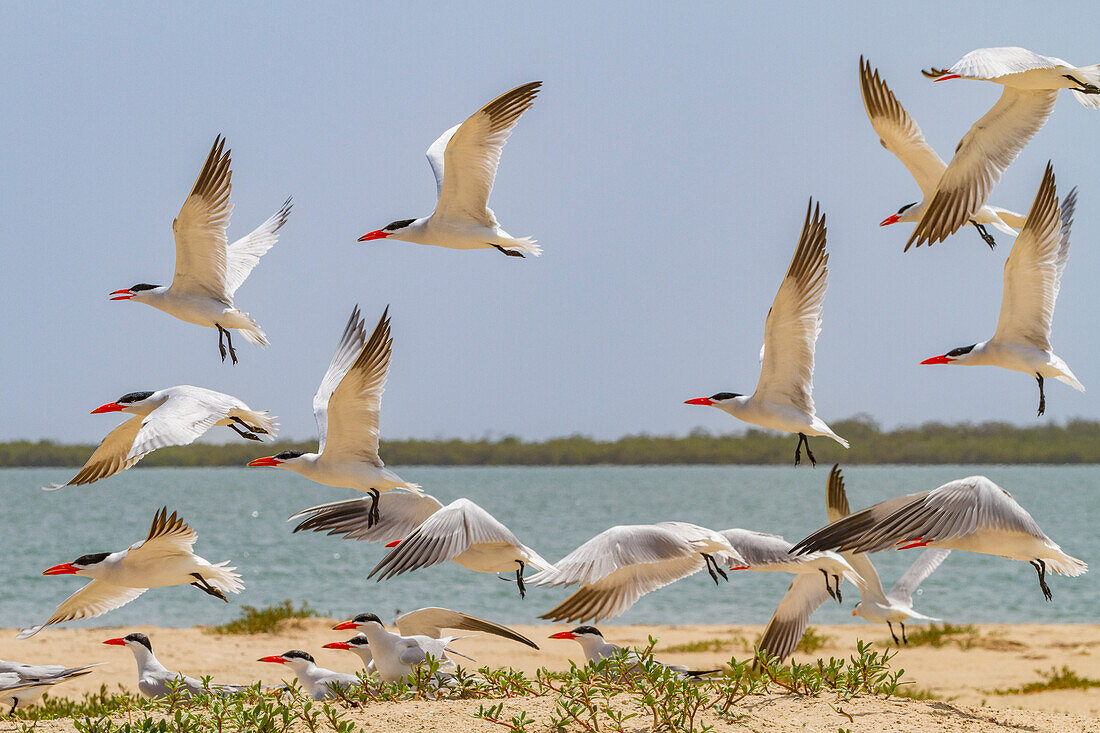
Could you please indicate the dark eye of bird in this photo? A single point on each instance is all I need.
(288, 454)
(143, 286)
(134, 397)
(86, 560)
(724, 396)
(961, 350)
(400, 224)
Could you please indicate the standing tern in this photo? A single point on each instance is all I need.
(171, 416)
(901, 135)
(347, 407)
(318, 682)
(1033, 276)
(596, 648)
(156, 681)
(1031, 83)
(470, 152)
(972, 514)
(467, 535)
(23, 684)
(163, 558)
(876, 605)
(784, 394)
(438, 648)
(209, 269)
(621, 564)
(395, 655)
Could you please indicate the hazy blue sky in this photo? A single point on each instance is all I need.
(665, 170)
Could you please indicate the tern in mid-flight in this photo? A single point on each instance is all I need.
(209, 269)
(784, 394)
(464, 160)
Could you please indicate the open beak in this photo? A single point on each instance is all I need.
(344, 626)
(376, 234)
(699, 401)
(338, 645)
(942, 359)
(266, 461)
(124, 294)
(109, 407)
(563, 635)
(395, 543)
(892, 219)
(945, 77)
(273, 660)
(115, 642)
(62, 569)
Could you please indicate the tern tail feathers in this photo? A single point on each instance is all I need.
(527, 245)
(1066, 565)
(221, 576)
(1089, 75)
(1069, 378)
(260, 419)
(252, 332)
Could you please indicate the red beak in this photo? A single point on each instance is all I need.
(699, 401)
(376, 234)
(266, 461)
(124, 294)
(740, 567)
(563, 635)
(116, 642)
(946, 77)
(337, 645)
(853, 612)
(892, 219)
(344, 626)
(273, 660)
(942, 359)
(395, 543)
(62, 569)
(109, 407)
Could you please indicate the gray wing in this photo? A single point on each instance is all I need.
(245, 253)
(94, 599)
(199, 228)
(836, 498)
(432, 620)
(112, 456)
(400, 512)
(758, 548)
(804, 595)
(911, 579)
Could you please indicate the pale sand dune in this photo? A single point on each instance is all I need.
(1001, 656)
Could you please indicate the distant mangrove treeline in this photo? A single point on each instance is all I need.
(1077, 441)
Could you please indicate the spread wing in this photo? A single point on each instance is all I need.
(112, 456)
(981, 158)
(94, 599)
(444, 535)
(992, 63)
(794, 321)
(470, 153)
(182, 418)
(201, 257)
(245, 253)
(349, 400)
(1033, 271)
(784, 631)
(836, 507)
(168, 535)
(431, 622)
(897, 131)
(400, 512)
(759, 549)
(911, 579)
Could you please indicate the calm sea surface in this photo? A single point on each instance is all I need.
(240, 516)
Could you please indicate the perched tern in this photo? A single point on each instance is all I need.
(163, 558)
(621, 564)
(395, 655)
(972, 514)
(22, 685)
(318, 682)
(1033, 276)
(471, 154)
(901, 135)
(467, 535)
(875, 604)
(596, 648)
(172, 416)
(347, 407)
(1031, 83)
(154, 679)
(784, 394)
(209, 269)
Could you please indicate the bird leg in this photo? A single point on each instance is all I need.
(229, 342)
(1041, 569)
(1085, 88)
(244, 433)
(798, 451)
(519, 579)
(713, 569)
(827, 588)
(839, 598)
(221, 340)
(892, 632)
(1042, 397)
(372, 515)
(207, 588)
(508, 252)
(253, 428)
(986, 236)
(903, 639)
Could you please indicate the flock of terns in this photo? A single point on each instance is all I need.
(614, 569)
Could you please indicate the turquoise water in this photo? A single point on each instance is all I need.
(240, 516)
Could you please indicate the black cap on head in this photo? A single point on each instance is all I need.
(905, 208)
(359, 640)
(288, 454)
(399, 224)
(722, 396)
(92, 559)
(365, 617)
(140, 639)
(298, 654)
(587, 630)
(134, 397)
(142, 286)
(961, 350)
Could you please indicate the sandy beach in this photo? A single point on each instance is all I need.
(963, 676)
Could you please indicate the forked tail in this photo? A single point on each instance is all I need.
(1089, 76)
(252, 332)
